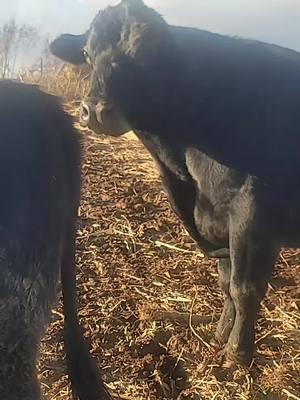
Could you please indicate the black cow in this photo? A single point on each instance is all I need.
(40, 178)
(189, 95)
(236, 99)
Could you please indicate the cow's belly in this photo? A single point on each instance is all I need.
(288, 228)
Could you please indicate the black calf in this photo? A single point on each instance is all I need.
(40, 180)
(186, 92)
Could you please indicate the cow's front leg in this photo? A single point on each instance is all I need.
(228, 314)
(253, 259)
(253, 253)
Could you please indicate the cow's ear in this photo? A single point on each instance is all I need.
(69, 48)
(147, 33)
(147, 42)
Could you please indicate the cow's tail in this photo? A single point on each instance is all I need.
(82, 369)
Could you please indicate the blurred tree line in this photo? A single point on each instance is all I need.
(25, 55)
(15, 41)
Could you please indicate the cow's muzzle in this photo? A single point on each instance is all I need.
(103, 118)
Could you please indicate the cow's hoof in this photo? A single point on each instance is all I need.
(234, 357)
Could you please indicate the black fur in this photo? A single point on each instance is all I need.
(236, 99)
(190, 95)
(40, 178)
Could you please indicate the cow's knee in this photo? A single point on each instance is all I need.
(246, 294)
(224, 271)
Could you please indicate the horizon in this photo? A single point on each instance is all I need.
(273, 21)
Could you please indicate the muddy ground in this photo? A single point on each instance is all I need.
(149, 301)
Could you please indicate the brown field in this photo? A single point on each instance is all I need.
(149, 301)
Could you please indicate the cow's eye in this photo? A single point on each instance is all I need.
(115, 66)
(86, 56)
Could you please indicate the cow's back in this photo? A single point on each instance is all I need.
(39, 159)
(241, 99)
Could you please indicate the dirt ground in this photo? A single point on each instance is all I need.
(149, 301)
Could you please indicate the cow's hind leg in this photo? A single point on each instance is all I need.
(26, 298)
(18, 351)
(228, 314)
(83, 371)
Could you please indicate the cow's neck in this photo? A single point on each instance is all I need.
(161, 150)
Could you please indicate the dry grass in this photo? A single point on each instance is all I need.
(149, 301)
(66, 81)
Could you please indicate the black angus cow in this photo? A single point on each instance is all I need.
(190, 95)
(40, 178)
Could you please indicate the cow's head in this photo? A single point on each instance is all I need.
(124, 46)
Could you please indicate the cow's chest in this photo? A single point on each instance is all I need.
(211, 218)
(199, 189)
(205, 198)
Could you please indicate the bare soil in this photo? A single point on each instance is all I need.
(149, 300)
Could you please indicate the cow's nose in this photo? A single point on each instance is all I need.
(85, 114)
